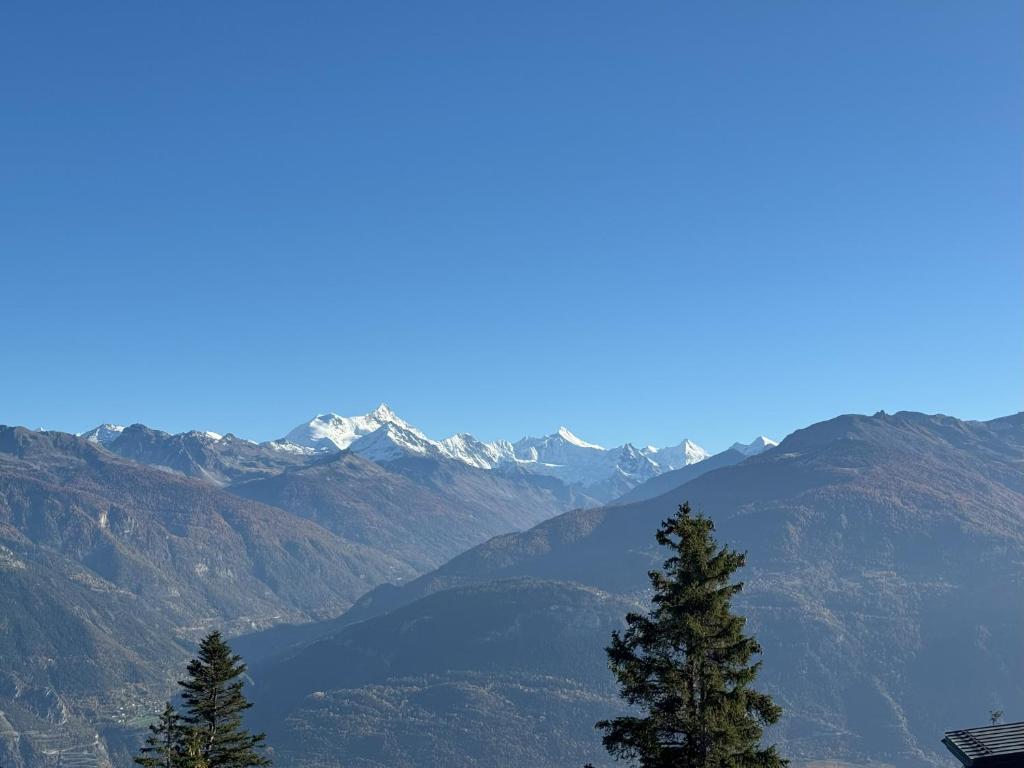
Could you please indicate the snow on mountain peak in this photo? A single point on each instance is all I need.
(104, 434)
(384, 413)
(393, 441)
(676, 456)
(382, 436)
(569, 437)
(331, 432)
(467, 449)
(758, 445)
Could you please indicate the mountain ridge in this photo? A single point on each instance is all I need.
(382, 436)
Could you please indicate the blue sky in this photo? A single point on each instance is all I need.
(643, 220)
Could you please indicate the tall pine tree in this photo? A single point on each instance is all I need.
(686, 664)
(162, 747)
(214, 703)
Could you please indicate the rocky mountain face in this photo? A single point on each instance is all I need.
(884, 556)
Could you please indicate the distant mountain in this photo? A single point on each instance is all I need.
(104, 434)
(884, 553)
(221, 460)
(109, 569)
(113, 559)
(676, 456)
(392, 489)
(421, 509)
(382, 436)
(600, 473)
(330, 432)
(593, 472)
(394, 441)
(753, 448)
(669, 481)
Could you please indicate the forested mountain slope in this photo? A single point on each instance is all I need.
(108, 569)
(882, 549)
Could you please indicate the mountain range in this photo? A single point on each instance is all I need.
(600, 473)
(120, 546)
(885, 553)
(412, 608)
(591, 471)
(110, 569)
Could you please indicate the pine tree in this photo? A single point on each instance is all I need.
(162, 747)
(686, 664)
(192, 752)
(214, 705)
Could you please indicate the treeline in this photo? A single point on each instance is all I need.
(208, 733)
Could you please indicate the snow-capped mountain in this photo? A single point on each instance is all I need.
(330, 432)
(604, 473)
(577, 462)
(104, 434)
(467, 449)
(382, 436)
(676, 456)
(395, 440)
(758, 445)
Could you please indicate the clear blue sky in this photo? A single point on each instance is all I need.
(643, 220)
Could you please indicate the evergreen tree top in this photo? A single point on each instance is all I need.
(214, 735)
(161, 749)
(687, 665)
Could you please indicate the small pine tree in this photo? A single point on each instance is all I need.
(162, 747)
(214, 705)
(686, 664)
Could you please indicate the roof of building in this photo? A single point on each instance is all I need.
(992, 745)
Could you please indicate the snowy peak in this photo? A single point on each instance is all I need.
(104, 434)
(384, 414)
(758, 445)
(467, 449)
(569, 437)
(393, 441)
(676, 456)
(204, 434)
(577, 462)
(382, 436)
(330, 432)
